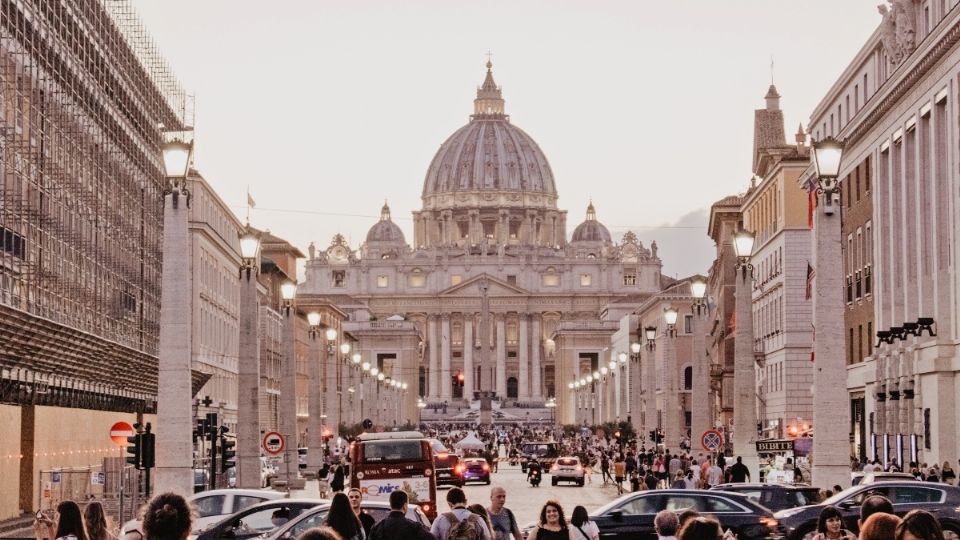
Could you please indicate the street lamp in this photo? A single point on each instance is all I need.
(831, 408)
(174, 448)
(671, 398)
(248, 369)
(650, 333)
(744, 373)
(701, 417)
(288, 380)
(670, 317)
(314, 403)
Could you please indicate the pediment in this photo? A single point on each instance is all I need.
(495, 287)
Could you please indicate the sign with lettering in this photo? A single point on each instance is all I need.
(785, 445)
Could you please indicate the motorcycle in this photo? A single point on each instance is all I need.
(534, 477)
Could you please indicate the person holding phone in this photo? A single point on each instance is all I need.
(67, 523)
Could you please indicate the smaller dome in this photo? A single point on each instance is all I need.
(385, 230)
(591, 230)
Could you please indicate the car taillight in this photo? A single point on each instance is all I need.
(458, 469)
(769, 522)
(554, 468)
(426, 508)
(486, 467)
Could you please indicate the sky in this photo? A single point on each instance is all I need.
(324, 109)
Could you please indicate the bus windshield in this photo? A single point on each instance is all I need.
(392, 450)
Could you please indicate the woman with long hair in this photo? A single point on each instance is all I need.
(919, 525)
(98, 526)
(586, 529)
(67, 525)
(341, 518)
(482, 513)
(830, 526)
(167, 517)
(552, 524)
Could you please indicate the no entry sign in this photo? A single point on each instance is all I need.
(119, 433)
(273, 443)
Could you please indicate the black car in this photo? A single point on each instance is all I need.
(940, 499)
(447, 465)
(257, 519)
(775, 496)
(631, 516)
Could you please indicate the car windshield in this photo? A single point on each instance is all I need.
(837, 498)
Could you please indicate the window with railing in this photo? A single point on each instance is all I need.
(858, 283)
(867, 281)
(849, 289)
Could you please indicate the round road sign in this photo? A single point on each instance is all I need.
(273, 443)
(712, 440)
(119, 433)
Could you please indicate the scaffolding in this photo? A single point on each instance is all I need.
(83, 92)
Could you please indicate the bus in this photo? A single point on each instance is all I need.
(381, 463)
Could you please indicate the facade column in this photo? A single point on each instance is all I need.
(248, 385)
(523, 384)
(315, 405)
(433, 390)
(446, 386)
(501, 358)
(468, 368)
(831, 402)
(701, 401)
(744, 378)
(174, 451)
(536, 391)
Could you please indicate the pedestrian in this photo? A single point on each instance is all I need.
(701, 528)
(583, 527)
(919, 525)
(459, 520)
(947, 474)
(689, 482)
(675, 466)
(874, 504)
(98, 526)
(679, 482)
(167, 517)
(504, 522)
(619, 472)
(336, 485)
(481, 513)
(650, 480)
(588, 469)
(739, 472)
(68, 524)
(665, 524)
(323, 478)
(366, 520)
(342, 519)
(319, 533)
(830, 526)
(631, 463)
(552, 525)
(605, 468)
(879, 526)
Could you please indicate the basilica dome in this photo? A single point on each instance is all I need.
(385, 230)
(489, 160)
(591, 230)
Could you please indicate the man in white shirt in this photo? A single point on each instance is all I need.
(714, 474)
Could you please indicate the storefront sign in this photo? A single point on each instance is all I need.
(775, 446)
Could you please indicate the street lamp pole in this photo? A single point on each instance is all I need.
(744, 372)
(671, 407)
(315, 403)
(174, 449)
(701, 415)
(248, 365)
(831, 406)
(288, 381)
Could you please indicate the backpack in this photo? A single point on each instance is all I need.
(467, 529)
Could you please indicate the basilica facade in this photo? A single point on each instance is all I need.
(490, 293)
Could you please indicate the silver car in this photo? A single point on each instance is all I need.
(567, 469)
(315, 517)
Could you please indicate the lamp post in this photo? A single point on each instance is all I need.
(314, 402)
(701, 415)
(671, 418)
(552, 405)
(288, 381)
(248, 365)
(174, 450)
(831, 406)
(329, 375)
(744, 373)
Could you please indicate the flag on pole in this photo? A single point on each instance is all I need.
(811, 273)
(250, 202)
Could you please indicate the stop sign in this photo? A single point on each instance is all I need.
(119, 433)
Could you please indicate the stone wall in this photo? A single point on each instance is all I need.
(9, 461)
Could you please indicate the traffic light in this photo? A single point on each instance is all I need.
(133, 449)
(227, 454)
(460, 378)
(147, 445)
(792, 430)
(367, 423)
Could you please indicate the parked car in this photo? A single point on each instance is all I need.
(940, 499)
(257, 519)
(475, 470)
(881, 476)
(567, 469)
(446, 463)
(775, 496)
(316, 515)
(631, 516)
(216, 504)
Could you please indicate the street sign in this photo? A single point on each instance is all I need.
(776, 445)
(119, 433)
(712, 440)
(273, 443)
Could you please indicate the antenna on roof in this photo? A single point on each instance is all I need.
(771, 69)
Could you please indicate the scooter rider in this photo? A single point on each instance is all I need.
(534, 470)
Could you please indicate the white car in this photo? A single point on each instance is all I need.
(214, 505)
(567, 469)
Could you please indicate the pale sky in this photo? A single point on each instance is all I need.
(326, 108)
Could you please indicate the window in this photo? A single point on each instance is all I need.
(382, 281)
(585, 280)
(456, 279)
(688, 324)
(629, 277)
(417, 278)
(638, 506)
(339, 278)
(869, 338)
(917, 495)
(241, 502)
(551, 278)
(688, 378)
(209, 506)
(512, 280)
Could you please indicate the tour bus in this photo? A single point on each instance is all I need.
(384, 462)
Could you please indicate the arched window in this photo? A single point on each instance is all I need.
(688, 378)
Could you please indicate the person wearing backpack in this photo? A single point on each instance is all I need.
(504, 523)
(459, 523)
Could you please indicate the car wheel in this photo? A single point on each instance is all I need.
(580, 482)
(553, 481)
(488, 480)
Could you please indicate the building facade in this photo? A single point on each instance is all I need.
(895, 107)
(491, 278)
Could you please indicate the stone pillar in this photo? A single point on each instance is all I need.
(248, 385)
(501, 358)
(523, 384)
(446, 383)
(433, 390)
(315, 405)
(174, 451)
(468, 369)
(831, 403)
(672, 426)
(536, 391)
(288, 394)
(648, 377)
(744, 378)
(701, 407)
